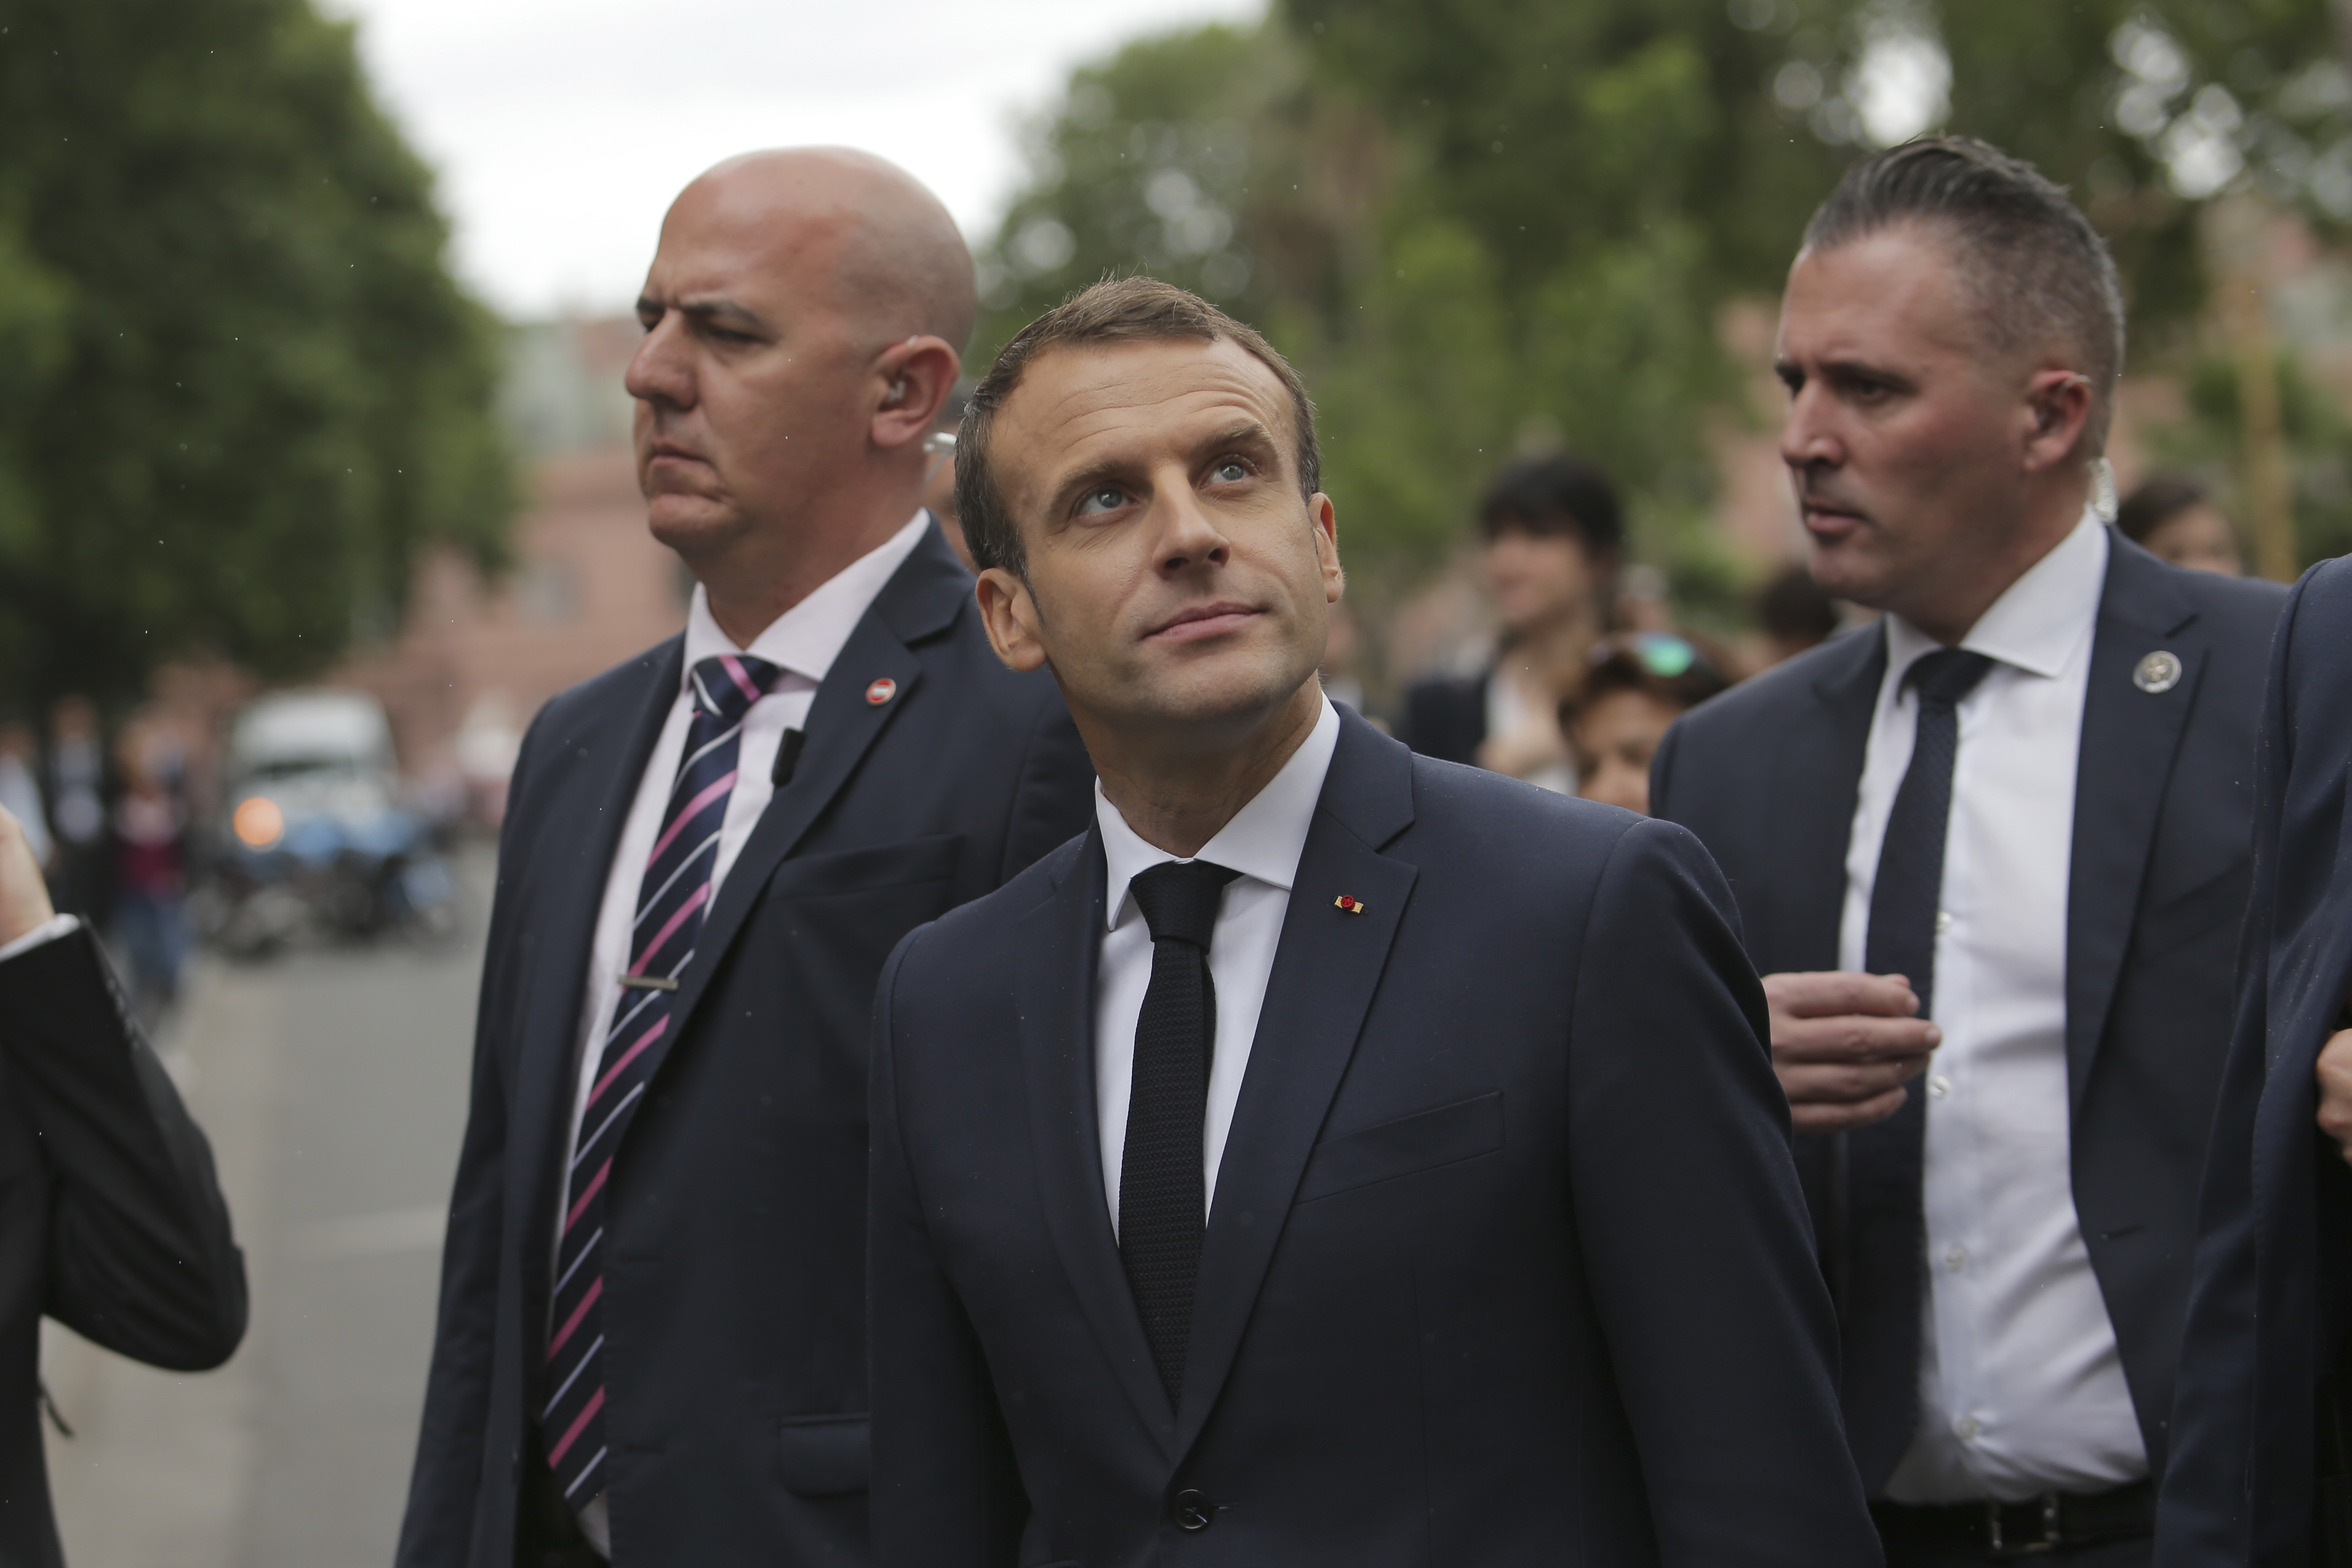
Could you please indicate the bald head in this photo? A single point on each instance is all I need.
(804, 319)
(859, 227)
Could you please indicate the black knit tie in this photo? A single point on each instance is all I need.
(1163, 1191)
(1886, 1160)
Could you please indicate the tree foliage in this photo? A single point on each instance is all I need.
(1484, 224)
(238, 389)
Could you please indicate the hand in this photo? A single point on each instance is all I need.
(24, 895)
(2334, 1073)
(1845, 1043)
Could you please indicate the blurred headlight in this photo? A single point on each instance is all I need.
(259, 823)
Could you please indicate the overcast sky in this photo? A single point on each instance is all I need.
(562, 128)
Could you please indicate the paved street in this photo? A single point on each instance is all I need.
(333, 1087)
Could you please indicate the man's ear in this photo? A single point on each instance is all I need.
(2057, 410)
(1327, 545)
(1010, 613)
(912, 381)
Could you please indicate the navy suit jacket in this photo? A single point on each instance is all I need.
(1507, 1261)
(110, 1219)
(2272, 1300)
(734, 1309)
(1766, 776)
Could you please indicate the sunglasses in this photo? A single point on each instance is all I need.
(1661, 653)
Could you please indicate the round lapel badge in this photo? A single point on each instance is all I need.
(2158, 674)
(882, 691)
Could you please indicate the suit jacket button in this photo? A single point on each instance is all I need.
(1192, 1510)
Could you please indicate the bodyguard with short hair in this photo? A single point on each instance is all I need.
(1334, 1156)
(1991, 855)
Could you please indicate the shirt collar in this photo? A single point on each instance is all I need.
(808, 637)
(1263, 840)
(2041, 623)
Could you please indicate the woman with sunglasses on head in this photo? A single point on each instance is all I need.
(1635, 686)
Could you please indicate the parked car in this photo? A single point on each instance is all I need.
(316, 839)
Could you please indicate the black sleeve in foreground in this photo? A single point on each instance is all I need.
(141, 1257)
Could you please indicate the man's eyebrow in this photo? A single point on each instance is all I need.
(1845, 368)
(1242, 432)
(723, 310)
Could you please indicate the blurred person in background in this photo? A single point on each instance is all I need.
(112, 1221)
(149, 918)
(1555, 536)
(78, 871)
(20, 786)
(651, 1346)
(1635, 685)
(1343, 651)
(1645, 600)
(2173, 516)
(2001, 840)
(1794, 613)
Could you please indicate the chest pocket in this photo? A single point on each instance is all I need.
(1406, 1146)
(906, 865)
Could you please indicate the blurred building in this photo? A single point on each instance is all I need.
(474, 658)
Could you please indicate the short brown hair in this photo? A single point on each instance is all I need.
(1116, 310)
(2031, 258)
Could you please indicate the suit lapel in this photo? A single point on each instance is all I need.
(1816, 779)
(613, 757)
(921, 600)
(1060, 944)
(1325, 969)
(2129, 740)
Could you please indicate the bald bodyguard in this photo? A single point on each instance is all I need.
(651, 1348)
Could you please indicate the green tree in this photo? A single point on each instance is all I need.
(1476, 230)
(1480, 225)
(238, 388)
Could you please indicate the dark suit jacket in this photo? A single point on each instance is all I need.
(1507, 1262)
(1767, 775)
(734, 1306)
(2273, 1296)
(1446, 717)
(110, 1220)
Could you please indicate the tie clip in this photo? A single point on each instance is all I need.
(647, 983)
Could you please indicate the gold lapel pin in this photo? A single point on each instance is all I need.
(1352, 906)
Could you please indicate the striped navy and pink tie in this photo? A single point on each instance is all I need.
(672, 900)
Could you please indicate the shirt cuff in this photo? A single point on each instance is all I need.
(49, 930)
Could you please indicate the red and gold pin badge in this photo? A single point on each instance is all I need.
(1352, 906)
(881, 692)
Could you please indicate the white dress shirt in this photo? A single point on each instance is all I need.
(1263, 842)
(2021, 1387)
(803, 643)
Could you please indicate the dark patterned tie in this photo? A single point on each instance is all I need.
(673, 897)
(1162, 1188)
(1889, 1229)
